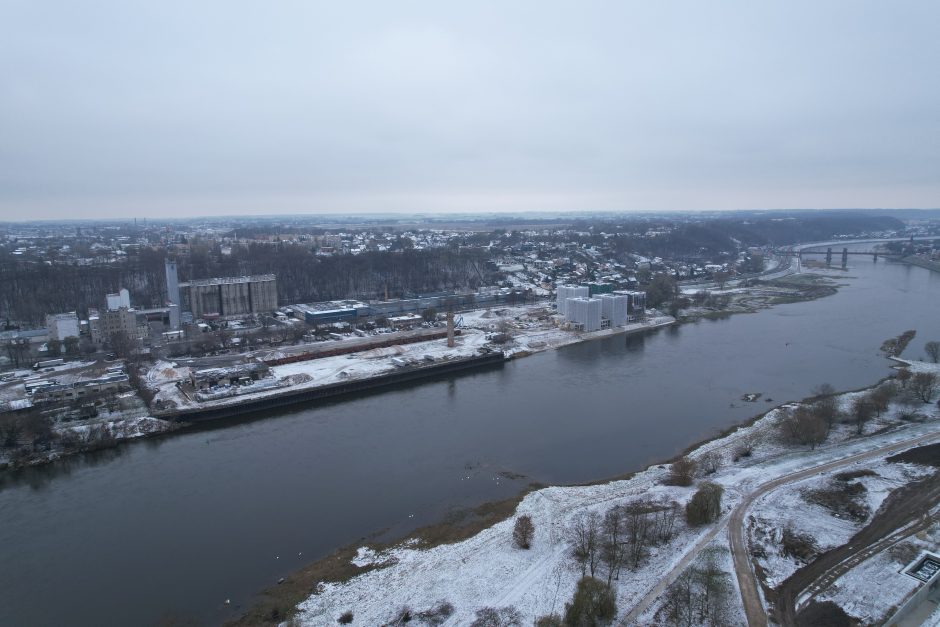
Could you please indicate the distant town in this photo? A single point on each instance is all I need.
(115, 330)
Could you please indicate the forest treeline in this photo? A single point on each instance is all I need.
(28, 291)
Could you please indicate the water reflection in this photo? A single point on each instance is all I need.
(38, 478)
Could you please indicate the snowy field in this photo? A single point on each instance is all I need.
(787, 507)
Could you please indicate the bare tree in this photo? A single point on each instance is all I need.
(682, 472)
(523, 531)
(933, 351)
(637, 516)
(679, 599)
(714, 587)
(804, 426)
(664, 522)
(613, 548)
(863, 409)
(924, 385)
(122, 344)
(882, 396)
(903, 375)
(826, 404)
(709, 463)
(584, 538)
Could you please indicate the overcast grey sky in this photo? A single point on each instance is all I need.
(115, 108)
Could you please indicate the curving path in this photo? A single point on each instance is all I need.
(747, 580)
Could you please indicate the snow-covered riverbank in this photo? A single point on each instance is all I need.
(487, 570)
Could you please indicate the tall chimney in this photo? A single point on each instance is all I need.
(450, 329)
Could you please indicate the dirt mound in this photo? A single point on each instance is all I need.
(928, 455)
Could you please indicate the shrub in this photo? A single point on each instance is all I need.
(593, 604)
(709, 463)
(681, 472)
(437, 615)
(924, 385)
(800, 546)
(345, 618)
(549, 620)
(403, 616)
(523, 531)
(705, 505)
(501, 617)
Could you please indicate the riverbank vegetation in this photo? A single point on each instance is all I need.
(894, 346)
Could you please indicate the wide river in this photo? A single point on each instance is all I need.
(166, 530)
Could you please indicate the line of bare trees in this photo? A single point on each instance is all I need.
(810, 424)
(622, 537)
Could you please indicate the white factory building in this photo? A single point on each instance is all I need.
(61, 326)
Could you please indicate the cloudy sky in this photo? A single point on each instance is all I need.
(114, 108)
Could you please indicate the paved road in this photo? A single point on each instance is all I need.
(747, 581)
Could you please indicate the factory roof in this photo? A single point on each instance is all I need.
(229, 280)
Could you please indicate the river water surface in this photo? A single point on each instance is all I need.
(170, 528)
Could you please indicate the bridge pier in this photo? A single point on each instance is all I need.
(845, 258)
(828, 256)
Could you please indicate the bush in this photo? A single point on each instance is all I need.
(403, 616)
(501, 617)
(438, 615)
(709, 463)
(593, 604)
(800, 546)
(523, 531)
(924, 385)
(745, 448)
(705, 505)
(345, 618)
(549, 620)
(681, 472)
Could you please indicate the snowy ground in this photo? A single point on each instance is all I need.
(488, 571)
(163, 376)
(533, 328)
(787, 507)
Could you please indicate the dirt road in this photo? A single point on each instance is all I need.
(747, 581)
(901, 515)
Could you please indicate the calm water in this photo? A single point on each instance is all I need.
(173, 527)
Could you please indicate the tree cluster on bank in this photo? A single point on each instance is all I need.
(701, 595)
(622, 537)
(810, 423)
